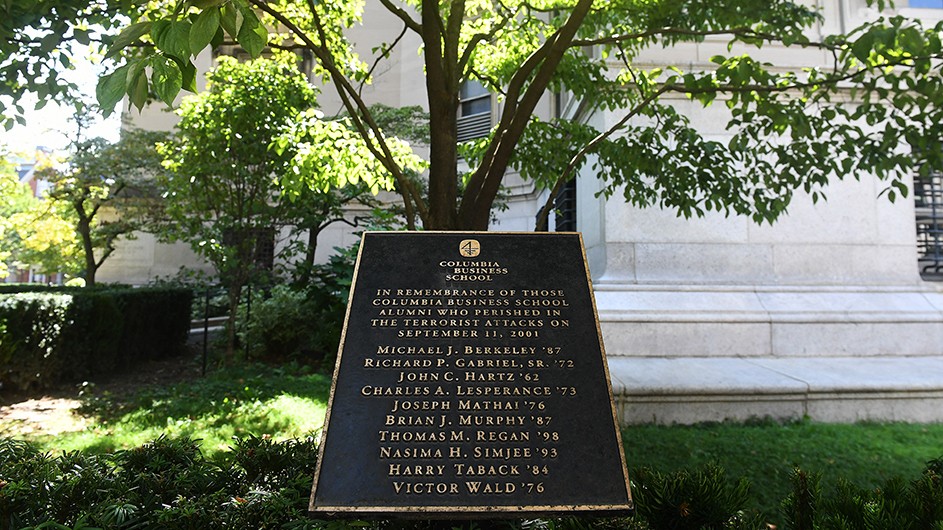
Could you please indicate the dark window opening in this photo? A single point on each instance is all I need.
(261, 241)
(565, 206)
(928, 199)
(474, 112)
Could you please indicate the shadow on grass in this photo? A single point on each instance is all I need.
(235, 401)
(219, 394)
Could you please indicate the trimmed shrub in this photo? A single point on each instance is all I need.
(69, 334)
(31, 327)
(156, 321)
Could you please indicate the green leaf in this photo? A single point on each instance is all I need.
(207, 4)
(862, 47)
(111, 88)
(188, 71)
(253, 38)
(167, 79)
(81, 36)
(137, 91)
(137, 67)
(219, 38)
(231, 19)
(127, 36)
(204, 29)
(49, 42)
(911, 41)
(158, 28)
(174, 38)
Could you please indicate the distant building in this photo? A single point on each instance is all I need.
(26, 173)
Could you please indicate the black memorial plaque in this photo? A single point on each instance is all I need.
(471, 380)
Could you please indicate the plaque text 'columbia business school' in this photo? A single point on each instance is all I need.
(471, 379)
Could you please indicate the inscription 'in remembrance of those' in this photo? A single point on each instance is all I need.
(474, 388)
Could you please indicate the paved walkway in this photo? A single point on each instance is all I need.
(840, 389)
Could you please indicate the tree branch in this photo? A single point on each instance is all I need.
(575, 161)
(357, 109)
(486, 180)
(385, 54)
(108, 250)
(835, 79)
(403, 15)
(478, 38)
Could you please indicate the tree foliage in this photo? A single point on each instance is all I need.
(34, 232)
(251, 156)
(40, 39)
(13, 196)
(872, 107)
(107, 189)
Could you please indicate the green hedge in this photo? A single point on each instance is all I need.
(52, 335)
(13, 288)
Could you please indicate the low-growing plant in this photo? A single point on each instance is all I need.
(700, 499)
(283, 325)
(299, 322)
(261, 483)
(897, 504)
(163, 484)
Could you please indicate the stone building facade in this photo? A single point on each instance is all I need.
(830, 287)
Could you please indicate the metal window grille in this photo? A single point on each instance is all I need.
(565, 206)
(260, 242)
(474, 119)
(928, 198)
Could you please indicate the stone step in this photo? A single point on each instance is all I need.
(770, 321)
(687, 390)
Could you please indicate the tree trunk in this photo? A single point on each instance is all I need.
(442, 85)
(84, 228)
(235, 293)
(309, 256)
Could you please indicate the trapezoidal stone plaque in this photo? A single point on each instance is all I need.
(471, 381)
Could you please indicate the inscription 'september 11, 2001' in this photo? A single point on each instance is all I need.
(471, 380)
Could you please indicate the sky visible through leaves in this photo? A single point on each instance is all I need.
(50, 126)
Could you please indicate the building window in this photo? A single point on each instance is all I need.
(565, 202)
(565, 206)
(305, 57)
(474, 111)
(928, 199)
(259, 241)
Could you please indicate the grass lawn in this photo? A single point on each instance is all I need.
(259, 400)
(290, 402)
(866, 454)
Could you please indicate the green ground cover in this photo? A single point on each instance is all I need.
(290, 402)
(254, 400)
(866, 454)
